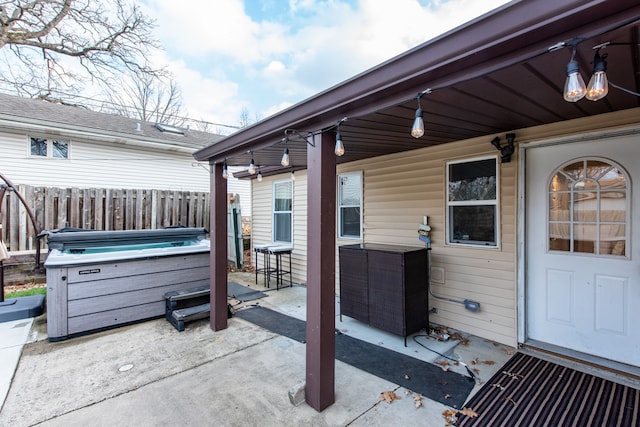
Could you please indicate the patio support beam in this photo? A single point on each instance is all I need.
(218, 254)
(321, 232)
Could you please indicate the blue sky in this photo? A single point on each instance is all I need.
(266, 55)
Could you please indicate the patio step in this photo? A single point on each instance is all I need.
(180, 316)
(185, 306)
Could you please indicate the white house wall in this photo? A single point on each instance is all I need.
(400, 189)
(104, 165)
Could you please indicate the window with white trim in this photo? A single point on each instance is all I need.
(472, 202)
(283, 211)
(350, 205)
(50, 148)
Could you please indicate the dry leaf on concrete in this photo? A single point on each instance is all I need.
(389, 396)
(469, 412)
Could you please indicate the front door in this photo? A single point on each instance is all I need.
(583, 247)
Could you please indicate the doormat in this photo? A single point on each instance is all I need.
(529, 391)
(446, 387)
(243, 293)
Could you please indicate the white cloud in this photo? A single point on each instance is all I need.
(225, 60)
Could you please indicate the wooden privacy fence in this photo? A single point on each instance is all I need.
(98, 209)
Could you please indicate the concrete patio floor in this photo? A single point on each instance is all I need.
(149, 374)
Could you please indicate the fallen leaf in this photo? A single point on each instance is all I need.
(476, 370)
(443, 365)
(447, 396)
(512, 375)
(389, 396)
(469, 412)
(474, 361)
(489, 362)
(449, 416)
(406, 377)
(418, 403)
(502, 388)
(508, 399)
(509, 351)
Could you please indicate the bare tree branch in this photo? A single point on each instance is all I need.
(105, 38)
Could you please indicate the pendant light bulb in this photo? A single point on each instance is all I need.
(285, 157)
(574, 87)
(252, 166)
(293, 176)
(339, 150)
(418, 124)
(598, 86)
(225, 172)
(259, 176)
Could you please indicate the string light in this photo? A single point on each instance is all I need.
(225, 172)
(252, 165)
(285, 157)
(259, 175)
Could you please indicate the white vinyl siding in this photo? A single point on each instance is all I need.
(102, 165)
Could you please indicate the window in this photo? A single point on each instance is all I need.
(350, 205)
(282, 211)
(42, 147)
(588, 208)
(472, 202)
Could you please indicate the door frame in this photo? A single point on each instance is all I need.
(522, 256)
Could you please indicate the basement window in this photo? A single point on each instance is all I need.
(48, 148)
(472, 202)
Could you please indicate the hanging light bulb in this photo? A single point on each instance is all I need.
(598, 85)
(339, 150)
(259, 175)
(285, 157)
(418, 123)
(293, 175)
(574, 87)
(252, 166)
(225, 172)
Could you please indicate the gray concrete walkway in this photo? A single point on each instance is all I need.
(149, 374)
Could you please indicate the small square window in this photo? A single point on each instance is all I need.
(38, 147)
(472, 202)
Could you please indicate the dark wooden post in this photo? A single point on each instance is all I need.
(321, 232)
(218, 235)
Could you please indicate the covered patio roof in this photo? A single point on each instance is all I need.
(503, 71)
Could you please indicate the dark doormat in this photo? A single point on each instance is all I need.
(532, 392)
(243, 293)
(446, 387)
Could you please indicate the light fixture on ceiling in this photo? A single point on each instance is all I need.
(225, 171)
(252, 166)
(259, 175)
(417, 130)
(285, 157)
(598, 86)
(574, 87)
(339, 150)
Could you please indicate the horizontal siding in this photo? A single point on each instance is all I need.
(99, 164)
(261, 221)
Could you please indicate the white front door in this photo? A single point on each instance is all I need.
(583, 247)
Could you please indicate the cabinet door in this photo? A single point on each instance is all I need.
(386, 291)
(416, 291)
(354, 295)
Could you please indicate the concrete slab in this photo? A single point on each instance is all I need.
(151, 374)
(14, 336)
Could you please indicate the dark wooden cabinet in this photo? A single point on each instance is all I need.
(385, 286)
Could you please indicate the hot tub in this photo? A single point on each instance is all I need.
(101, 279)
